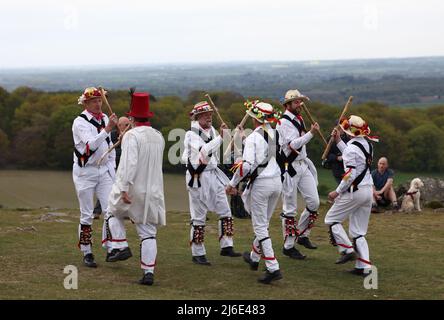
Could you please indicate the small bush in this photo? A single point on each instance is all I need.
(434, 204)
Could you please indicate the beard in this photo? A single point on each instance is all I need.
(295, 110)
(206, 124)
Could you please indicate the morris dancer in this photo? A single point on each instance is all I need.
(91, 134)
(353, 197)
(206, 183)
(263, 188)
(138, 191)
(299, 173)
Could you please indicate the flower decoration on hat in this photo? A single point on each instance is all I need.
(88, 94)
(200, 107)
(356, 127)
(262, 112)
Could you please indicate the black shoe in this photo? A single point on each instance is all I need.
(346, 257)
(253, 265)
(88, 260)
(229, 252)
(96, 216)
(270, 276)
(148, 279)
(359, 272)
(119, 254)
(293, 253)
(201, 260)
(304, 241)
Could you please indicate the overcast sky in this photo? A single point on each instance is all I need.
(76, 33)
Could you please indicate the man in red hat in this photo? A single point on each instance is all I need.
(138, 190)
(206, 183)
(91, 134)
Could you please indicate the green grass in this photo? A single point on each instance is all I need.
(406, 248)
(55, 189)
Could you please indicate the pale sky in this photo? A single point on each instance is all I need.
(94, 32)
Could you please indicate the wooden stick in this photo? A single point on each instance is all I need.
(241, 124)
(106, 100)
(331, 141)
(214, 107)
(312, 122)
(114, 145)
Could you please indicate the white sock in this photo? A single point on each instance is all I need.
(86, 249)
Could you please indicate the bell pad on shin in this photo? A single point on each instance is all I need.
(198, 234)
(85, 237)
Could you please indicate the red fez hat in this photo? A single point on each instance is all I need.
(140, 105)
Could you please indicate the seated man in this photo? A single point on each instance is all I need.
(383, 192)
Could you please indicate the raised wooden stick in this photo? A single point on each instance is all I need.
(241, 124)
(106, 100)
(214, 107)
(332, 140)
(114, 145)
(312, 122)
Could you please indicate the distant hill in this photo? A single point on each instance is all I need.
(400, 82)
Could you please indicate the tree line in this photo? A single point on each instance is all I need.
(35, 127)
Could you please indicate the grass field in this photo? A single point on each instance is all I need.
(35, 247)
(55, 189)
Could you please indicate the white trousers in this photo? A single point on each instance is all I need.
(199, 210)
(90, 181)
(356, 206)
(115, 238)
(148, 246)
(305, 183)
(113, 233)
(264, 196)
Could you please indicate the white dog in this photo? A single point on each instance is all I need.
(411, 199)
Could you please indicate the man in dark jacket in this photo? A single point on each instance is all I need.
(334, 161)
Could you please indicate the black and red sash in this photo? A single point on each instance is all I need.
(368, 163)
(195, 173)
(82, 158)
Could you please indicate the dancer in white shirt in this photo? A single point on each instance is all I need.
(299, 175)
(264, 186)
(353, 197)
(91, 134)
(138, 191)
(206, 183)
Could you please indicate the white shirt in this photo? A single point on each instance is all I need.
(140, 174)
(86, 133)
(256, 151)
(289, 137)
(198, 150)
(354, 163)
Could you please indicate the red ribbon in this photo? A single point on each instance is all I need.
(98, 116)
